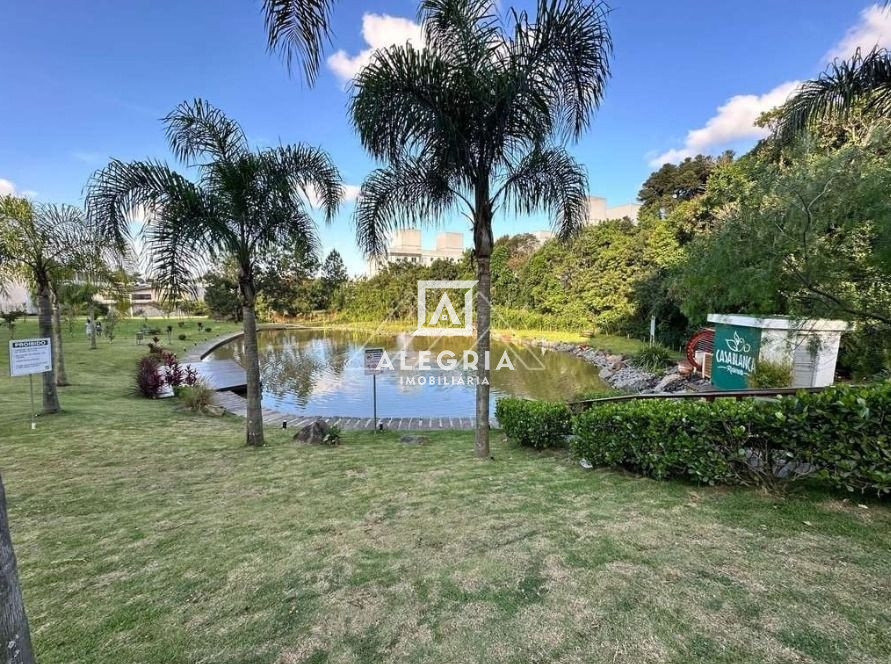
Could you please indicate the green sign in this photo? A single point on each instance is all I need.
(736, 353)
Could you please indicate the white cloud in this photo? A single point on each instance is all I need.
(7, 188)
(378, 31)
(735, 120)
(350, 193)
(874, 29)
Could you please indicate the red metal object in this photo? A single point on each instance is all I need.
(704, 340)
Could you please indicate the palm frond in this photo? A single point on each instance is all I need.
(71, 239)
(297, 30)
(564, 58)
(179, 245)
(406, 98)
(121, 191)
(464, 31)
(196, 128)
(408, 193)
(307, 169)
(548, 178)
(837, 91)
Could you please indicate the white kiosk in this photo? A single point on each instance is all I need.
(810, 346)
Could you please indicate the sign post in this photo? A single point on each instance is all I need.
(373, 358)
(28, 357)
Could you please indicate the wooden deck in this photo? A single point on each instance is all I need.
(220, 374)
(237, 405)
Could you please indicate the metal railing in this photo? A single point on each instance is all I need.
(711, 395)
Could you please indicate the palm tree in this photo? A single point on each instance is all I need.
(863, 82)
(470, 121)
(242, 204)
(298, 30)
(39, 243)
(15, 637)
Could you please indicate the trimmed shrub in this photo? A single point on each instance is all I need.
(537, 424)
(664, 439)
(770, 374)
(844, 432)
(182, 337)
(653, 358)
(149, 381)
(842, 435)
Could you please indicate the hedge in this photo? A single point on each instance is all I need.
(537, 424)
(840, 434)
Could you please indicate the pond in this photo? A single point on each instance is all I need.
(321, 372)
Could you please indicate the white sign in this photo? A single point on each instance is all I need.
(373, 358)
(30, 356)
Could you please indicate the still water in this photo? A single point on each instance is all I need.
(321, 372)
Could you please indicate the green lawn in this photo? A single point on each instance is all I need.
(149, 535)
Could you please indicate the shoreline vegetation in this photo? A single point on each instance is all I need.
(605, 342)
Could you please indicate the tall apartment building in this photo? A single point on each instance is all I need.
(405, 245)
(599, 211)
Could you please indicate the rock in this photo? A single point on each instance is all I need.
(615, 361)
(672, 380)
(584, 463)
(213, 409)
(631, 380)
(606, 374)
(413, 440)
(314, 433)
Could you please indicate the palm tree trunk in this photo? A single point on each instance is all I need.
(482, 240)
(45, 325)
(483, 322)
(252, 367)
(92, 315)
(15, 637)
(58, 356)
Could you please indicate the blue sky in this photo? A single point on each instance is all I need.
(85, 81)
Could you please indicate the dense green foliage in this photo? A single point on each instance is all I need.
(653, 358)
(221, 295)
(588, 283)
(672, 184)
(843, 434)
(770, 374)
(290, 282)
(537, 424)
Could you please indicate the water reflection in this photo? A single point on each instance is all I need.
(321, 372)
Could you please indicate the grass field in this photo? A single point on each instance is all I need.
(149, 535)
